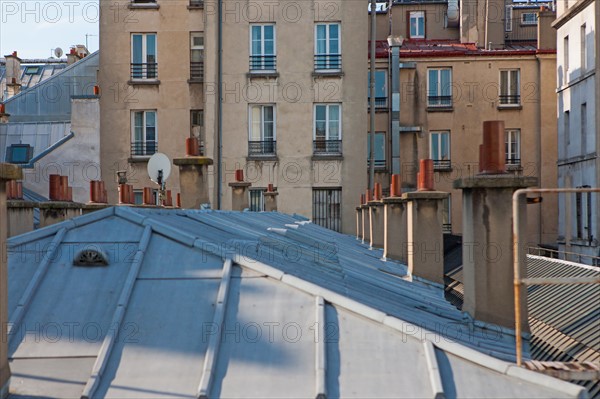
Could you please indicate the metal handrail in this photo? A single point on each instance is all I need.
(518, 281)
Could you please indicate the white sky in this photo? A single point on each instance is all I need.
(34, 27)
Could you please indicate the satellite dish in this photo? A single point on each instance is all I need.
(58, 52)
(159, 168)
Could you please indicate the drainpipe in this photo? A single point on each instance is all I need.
(372, 95)
(395, 114)
(219, 102)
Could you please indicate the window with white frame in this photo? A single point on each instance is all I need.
(197, 127)
(144, 135)
(143, 56)
(327, 129)
(197, 56)
(439, 150)
(512, 146)
(328, 48)
(262, 136)
(510, 87)
(379, 149)
(417, 24)
(508, 21)
(439, 87)
(257, 199)
(262, 47)
(380, 89)
(529, 18)
(327, 208)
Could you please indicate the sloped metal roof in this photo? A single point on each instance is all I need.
(32, 72)
(228, 304)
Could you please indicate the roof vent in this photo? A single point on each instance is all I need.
(90, 257)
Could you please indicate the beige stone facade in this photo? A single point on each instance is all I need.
(272, 91)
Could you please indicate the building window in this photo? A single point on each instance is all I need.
(139, 197)
(529, 18)
(262, 48)
(508, 22)
(257, 199)
(196, 3)
(379, 150)
(439, 87)
(380, 89)
(583, 129)
(567, 127)
(447, 215)
(144, 138)
(143, 56)
(19, 153)
(197, 128)
(512, 145)
(583, 49)
(417, 24)
(510, 87)
(327, 208)
(197, 56)
(439, 150)
(566, 58)
(328, 54)
(327, 129)
(583, 211)
(262, 130)
(143, 1)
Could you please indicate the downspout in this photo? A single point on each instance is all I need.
(219, 102)
(485, 25)
(538, 144)
(372, 96)
(395, 114)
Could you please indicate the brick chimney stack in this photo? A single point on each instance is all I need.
(13, 74)
(193, 176)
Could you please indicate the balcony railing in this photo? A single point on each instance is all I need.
(143, 148)
(258, 148)
(197, 71)
(327, 147)
(328, 62)
(513, 161)
(439, 101)
(379, 163)
(447, 228)
(442, 164)
(510, 100)
(380, 102)
(144, 71)
(263, 62)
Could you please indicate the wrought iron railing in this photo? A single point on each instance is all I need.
(510, 99)
(266, 147)
(447, 228)
(380, 102)
(263, 62)
(143, 148)
(328, 62)
(327, 147)
(439, 101)
(197, 71)
(144, 71)
(513, 161)
(442, 164)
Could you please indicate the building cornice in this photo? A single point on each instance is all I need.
(570, 13)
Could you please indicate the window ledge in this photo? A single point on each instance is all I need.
(140, 159)
(509, 106)
(262, 74)
(143, 82)
(271, 158)
(515, 168)
(328, 74)
(144, 6)
(196, 7)
(328, 157)
(442, 170)
(195, 81)
(440, 109)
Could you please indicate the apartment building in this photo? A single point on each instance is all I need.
(449, 81)
(578, 88)
(283, 99)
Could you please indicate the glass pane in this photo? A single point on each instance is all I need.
(321, 39)
(334, 130)
(380, 147)
(421, 26)
(256, 121)
(150, 133)
(380, 90)
(320, 113)
(256, 40)
(446, 82)
(151, 48)
(151, 118)
(334, 39)
(445, 146)
(137, 49)
(514, 82)
(435, 152)
(504, 83)
(413, 26)
(433, 82)
(197, 55)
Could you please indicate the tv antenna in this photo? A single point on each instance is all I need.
(88, 35)
(159, 170)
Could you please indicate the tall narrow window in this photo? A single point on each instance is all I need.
(439, 150)
(327, 208)
(583, 50)
(144, 142)
(143, 56)
(508, 24)
(380, 89)
(262, 48)
(328, 55)
(512, 145)
(584, 129)
(510, 87)
(583, 215)
(417, 24)
(257, 199)
(447, 215)
(262, 130)
(197, 56)
(566, 58)
(327, 129)
(197, 128)
(439, 87)
(379, 149)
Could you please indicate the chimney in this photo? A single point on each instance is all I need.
(73, 56)
(271, 199)
(148, 197)
(366, 224)
(8, 172)
(546, 34)
(239, 192)
(376, 218)
(3, 115)
(487, 236)
(193, 176)
(359, 218)
(424, 220)
(13, 74)
(395, 228)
